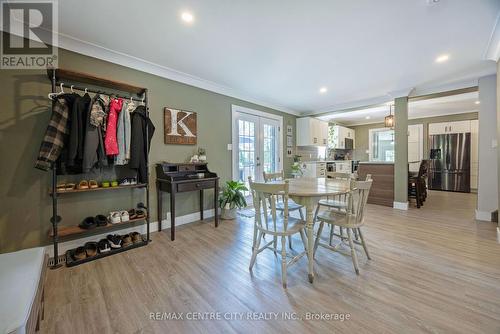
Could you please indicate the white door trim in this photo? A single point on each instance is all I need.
(235, 110)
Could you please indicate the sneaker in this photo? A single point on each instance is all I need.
(126, 240)
(79, 254)
(114, 217)
(124, 216)
(115, 241)
(101, 220)
(88, 223)
(136, 237)
(91, 249)
(124, 182)
(103, 246)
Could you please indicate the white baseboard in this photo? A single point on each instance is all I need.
(400, 205)
(153, 227)
(483, 215)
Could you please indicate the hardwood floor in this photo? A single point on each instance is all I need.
(434, 270)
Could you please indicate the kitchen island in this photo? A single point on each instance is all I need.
(382, 191)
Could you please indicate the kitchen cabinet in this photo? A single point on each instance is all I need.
(449, 127)
(311, 132)
(339, 136)
(343, 166)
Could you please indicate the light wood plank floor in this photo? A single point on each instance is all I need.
(434, 270)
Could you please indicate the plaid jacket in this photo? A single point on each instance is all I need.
(53, 141)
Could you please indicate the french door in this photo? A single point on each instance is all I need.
(256, 146)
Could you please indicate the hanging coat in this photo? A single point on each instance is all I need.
(138, 151)
(53, 141)
(123, 133)
(110, 142)
(93, 150)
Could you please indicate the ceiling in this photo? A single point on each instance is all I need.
(455, 104)
(280, 54)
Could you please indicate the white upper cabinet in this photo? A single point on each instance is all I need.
(449, 127)
(311, 132)
(339, 136)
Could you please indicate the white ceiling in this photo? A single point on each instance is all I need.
(455, 104)
(280, 53)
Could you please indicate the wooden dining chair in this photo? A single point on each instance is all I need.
(352, 220)
(338, 202)
(417, 185)
(292, 206)
(267, 221)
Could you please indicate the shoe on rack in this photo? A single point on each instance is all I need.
(79, 254)
(88, 223)
(126, 240)
(103, 246)
(114, 217)
(132, 214)
(140, 213)
(84, 184)
(93, 184)
(136, 237)
(132, 180)
(101, 220)
(124, 182)
(91, 249)
(124, 216)
(115, 241)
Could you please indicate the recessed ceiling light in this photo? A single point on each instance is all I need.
(442, 58)
(187, 17)
(323, 90)
(477, 102)
(367, 117)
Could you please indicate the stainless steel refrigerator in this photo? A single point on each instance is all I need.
(449, 164)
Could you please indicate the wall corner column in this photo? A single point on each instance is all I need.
(401, 153)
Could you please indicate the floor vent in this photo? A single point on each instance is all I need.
(61, 259)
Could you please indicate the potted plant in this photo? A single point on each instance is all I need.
(296, 167)
(232, 199)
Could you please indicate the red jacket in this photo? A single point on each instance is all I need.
(110, 143)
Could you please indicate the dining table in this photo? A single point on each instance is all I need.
(308, 191)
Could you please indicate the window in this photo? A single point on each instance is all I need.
(381, 145)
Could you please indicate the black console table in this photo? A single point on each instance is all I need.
(183, 177)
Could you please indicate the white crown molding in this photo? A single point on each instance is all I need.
(93, 50)
(493, 49)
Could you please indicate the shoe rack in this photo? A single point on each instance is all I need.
(79, 81)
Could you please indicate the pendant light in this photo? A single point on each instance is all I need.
(389, 120)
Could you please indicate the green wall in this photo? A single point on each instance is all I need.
(26, 205)
(362, 131)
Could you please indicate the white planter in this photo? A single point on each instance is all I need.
(228, 213)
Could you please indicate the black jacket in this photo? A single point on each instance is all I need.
(138, 152)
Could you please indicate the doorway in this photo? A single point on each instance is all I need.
(257, 143)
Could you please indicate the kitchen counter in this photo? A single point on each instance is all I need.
(376, 163)
(382, 191)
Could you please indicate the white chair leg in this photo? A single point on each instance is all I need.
(256, 249)
(353, 251)
(332, 230)
(356, 234)
(304, 241)
(254, 238)
(364, 244)
(316, 213)
(283, 261)
(316, 242)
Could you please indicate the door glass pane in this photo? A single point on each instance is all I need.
(382, 145)
(270, 163)
(246, 143)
